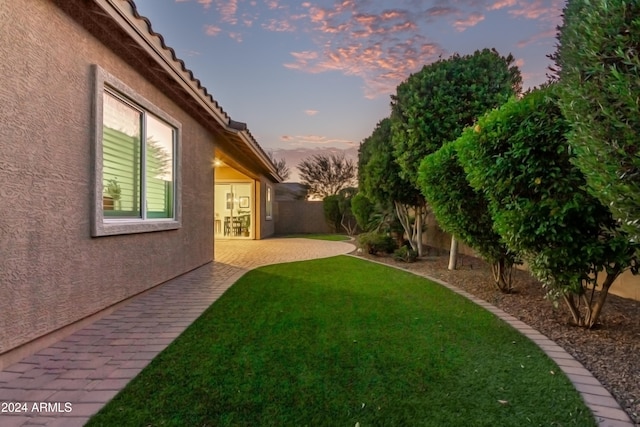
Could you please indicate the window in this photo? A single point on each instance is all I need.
(136, 162)
(269, 204)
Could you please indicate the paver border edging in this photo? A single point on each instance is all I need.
(605, 409)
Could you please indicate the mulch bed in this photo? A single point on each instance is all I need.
(611, 351)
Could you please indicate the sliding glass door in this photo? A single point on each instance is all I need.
(233, 211)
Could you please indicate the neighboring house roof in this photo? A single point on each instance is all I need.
(116, 21)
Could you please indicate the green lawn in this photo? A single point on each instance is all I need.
(340, 341)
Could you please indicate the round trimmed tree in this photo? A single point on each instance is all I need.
(599, 69)
(434, 105)
(519, 157)
(464, 212)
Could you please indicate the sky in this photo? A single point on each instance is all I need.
(316, 76)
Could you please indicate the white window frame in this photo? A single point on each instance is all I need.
(268, 203)
(105, 226)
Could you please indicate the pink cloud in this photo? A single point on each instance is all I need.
(320, 140)
(367, 20)
(543, 35)
(382, 46)
(302, 60)
(394, 14)
(380, 66)
(205, 3)
(500, 4)
(533, 10)
(236, 36)
(539, 9)
(440, 11)
(227, 10)
(212, 30)
(317, 14)
(278, 26)
(468, 22)
(311, 112)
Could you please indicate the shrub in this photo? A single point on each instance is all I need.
(405, 254)
(331, 207)
(363, 209)
(337, 211)
(374, 243)
(519, 157)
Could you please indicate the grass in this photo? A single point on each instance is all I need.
(331, 237)
(340, 341)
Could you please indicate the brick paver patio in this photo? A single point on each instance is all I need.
(75, 377)
(66, 383)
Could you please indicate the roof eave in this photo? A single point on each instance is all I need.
(124, 12)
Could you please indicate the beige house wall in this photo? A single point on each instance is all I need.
(52, 272)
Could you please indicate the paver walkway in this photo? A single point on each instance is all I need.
(66, 383)
(72, 379)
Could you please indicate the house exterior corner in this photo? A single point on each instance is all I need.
(78, 233)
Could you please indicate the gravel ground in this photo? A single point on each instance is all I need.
(611, 351)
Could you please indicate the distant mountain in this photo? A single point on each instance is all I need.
(294, 156)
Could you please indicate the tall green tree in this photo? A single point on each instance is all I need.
(433, 106)
(518, 156)
(374, 214)
(464, 212)
(382, 182)
(599, 70)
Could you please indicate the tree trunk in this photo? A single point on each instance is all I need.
(453, 254)
(403, 217)
(589, 315)
(594, 314)
(573, 309)
(502, 275)
(418, 228)
(347, 226)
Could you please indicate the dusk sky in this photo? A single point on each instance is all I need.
(316, 75)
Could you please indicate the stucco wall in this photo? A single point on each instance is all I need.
(52, 272)
(436, 238)
(300, 216)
